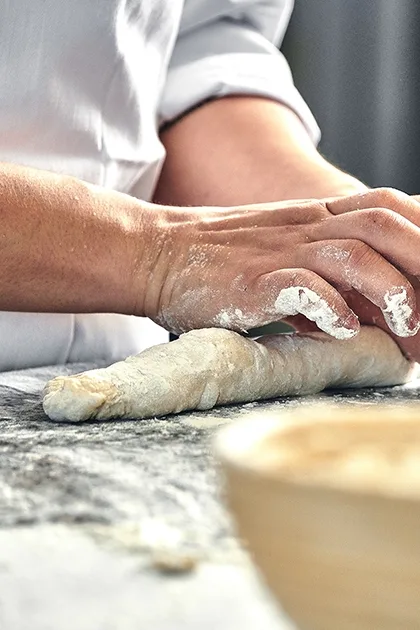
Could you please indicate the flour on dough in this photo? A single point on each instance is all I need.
(213, 366)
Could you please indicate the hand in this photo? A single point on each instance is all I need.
(244, 267)
(368, 313)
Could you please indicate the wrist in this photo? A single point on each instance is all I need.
(155, 227)
(122, 234)
(141, 245)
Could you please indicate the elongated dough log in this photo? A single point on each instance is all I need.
(213, 366)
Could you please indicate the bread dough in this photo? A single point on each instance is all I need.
(214, 366)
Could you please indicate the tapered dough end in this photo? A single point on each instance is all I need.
(76, 398)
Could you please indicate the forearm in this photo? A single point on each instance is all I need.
(242, 150)
(67, 246)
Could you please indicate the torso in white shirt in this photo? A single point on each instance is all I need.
(80, 83)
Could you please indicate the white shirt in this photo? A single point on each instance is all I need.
(85, 86)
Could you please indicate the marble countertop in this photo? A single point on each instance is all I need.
(93, 516)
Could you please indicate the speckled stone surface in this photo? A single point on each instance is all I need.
(86, 509)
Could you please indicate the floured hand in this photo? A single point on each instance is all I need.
(249, 266)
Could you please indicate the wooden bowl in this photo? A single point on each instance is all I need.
(328, 502)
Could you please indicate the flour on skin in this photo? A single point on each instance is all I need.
(398, 313)
(304, 301)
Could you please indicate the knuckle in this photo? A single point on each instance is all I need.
(307, 213)
(360, 254)
(317, 211)
(384, 218)
(387, 197)
(302, 278)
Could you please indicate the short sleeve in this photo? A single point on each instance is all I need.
(230, 47)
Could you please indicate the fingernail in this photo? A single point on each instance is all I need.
(345, 328)
(414, 324)
(351, 321)
(349, 326)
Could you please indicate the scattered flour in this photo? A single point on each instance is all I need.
(236, 319)
(301, 300)
(333, 252)
(229, 316)
(198, 256)
(182, 316)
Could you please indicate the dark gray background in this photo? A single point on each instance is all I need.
(357, 64)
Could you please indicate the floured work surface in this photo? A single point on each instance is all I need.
(118, 525)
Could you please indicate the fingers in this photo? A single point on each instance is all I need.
(354, 265)
(386, 224)
(370, 314)
(393, 236)
(299, 291)
(385, 198)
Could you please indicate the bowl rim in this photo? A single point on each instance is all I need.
(235, 443)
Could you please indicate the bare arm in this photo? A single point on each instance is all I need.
(67, 246)
(242, 150)
(247, 150)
